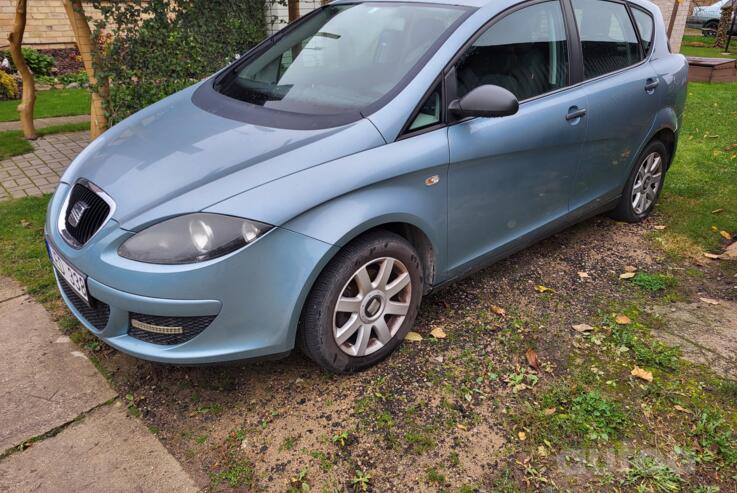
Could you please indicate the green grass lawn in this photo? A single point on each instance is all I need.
(691, 46)
(12, 142)
(703, 177)
(55, 102)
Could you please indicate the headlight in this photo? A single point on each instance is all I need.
(191, 238)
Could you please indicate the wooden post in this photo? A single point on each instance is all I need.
(25, 108)
(83, 35)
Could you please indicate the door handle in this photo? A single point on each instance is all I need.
(575, 113)
(651, 84)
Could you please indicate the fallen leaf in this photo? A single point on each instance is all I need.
(660, 227)
(642, 374)
(622, 319)
(532, 359)
(713, 256)
(717, 211)
(726, 235)
(543, 289)
(582, 328)
(627, 275)
(439, 359)
(549, 411)
(583, 275)
(630, 268)
(499, 310)
(714, 228)
(710, 301)
(522, 436)
(461, 427)
(25, 223)
(413, 336)
(682, 409)
(438, 333)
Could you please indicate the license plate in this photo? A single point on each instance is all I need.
(76, 280)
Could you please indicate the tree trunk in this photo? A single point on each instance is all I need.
(101, 88)
(293, 10)
(725, 22)
(25, 108)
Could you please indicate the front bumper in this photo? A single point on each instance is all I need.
(255, 294)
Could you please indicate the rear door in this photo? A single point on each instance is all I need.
(623, 98)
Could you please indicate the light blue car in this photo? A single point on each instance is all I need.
(313, 191)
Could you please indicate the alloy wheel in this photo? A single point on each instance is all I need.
(647, 183)
(372, 306)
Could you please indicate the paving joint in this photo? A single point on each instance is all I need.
(23, 445)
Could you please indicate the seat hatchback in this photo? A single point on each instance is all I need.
(313, 191)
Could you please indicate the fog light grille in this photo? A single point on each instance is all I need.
(97, 314)
(155, 329)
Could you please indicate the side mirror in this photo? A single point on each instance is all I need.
(486, 101)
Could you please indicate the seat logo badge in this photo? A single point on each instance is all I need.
(78, 210)
(432, 180)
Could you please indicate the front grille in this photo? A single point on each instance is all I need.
(94, 211)
(166, 330)
(97, 314)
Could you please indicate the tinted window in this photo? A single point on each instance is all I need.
(645, 26)
(343, 58)
(429, 113)
(524, 52)
(607, 37)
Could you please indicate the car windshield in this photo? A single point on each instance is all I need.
(344, 57)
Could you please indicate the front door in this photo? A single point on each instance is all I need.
(511, 176)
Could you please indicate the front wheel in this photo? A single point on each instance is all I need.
(363, 303)
(644, 184)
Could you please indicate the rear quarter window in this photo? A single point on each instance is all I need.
(645, 26)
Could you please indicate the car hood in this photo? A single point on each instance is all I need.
(173, 157)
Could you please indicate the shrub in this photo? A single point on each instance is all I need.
(8, 86)
(39, 63)
(149, 50)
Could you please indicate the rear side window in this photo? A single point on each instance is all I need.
(607, 36)
(525, 52)
(645, 26)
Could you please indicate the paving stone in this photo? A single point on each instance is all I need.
(43, 383)
(9, 289)
(106, 451)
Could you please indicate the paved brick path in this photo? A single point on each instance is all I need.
(38, 172)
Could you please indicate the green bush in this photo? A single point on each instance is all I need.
(152, 49)
(39, 63)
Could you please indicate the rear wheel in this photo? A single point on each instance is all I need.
(363, 303)
(644, 184)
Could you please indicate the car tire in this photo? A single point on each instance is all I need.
(644, 184)
(710, 29)
(376, 311)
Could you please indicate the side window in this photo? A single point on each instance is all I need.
(645, 26)
(608, 38)
(429, 113)
(525, 52)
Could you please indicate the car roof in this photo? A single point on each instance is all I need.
(478, 3)
(462, 3)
